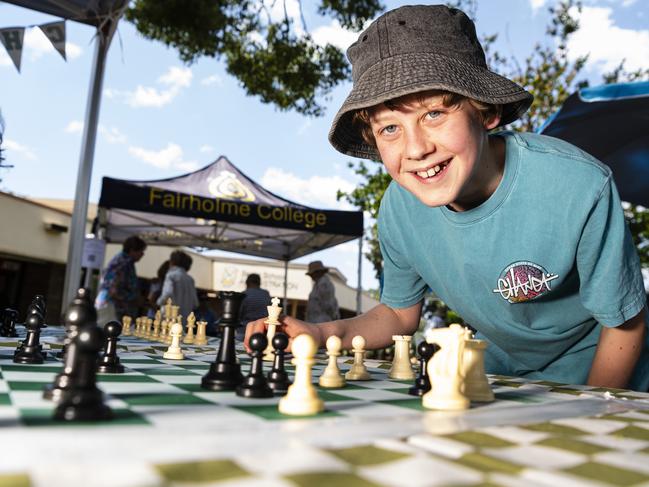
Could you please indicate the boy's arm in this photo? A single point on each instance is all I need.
(377, 326)
(617, 352)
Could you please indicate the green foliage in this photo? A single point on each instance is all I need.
(273, 59)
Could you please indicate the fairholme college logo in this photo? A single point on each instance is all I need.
(523, 281)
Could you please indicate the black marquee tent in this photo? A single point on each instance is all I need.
(219, 207)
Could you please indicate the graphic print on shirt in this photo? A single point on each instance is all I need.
(523, 281)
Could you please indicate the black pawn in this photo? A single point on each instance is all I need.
(29, 352)
(81, 312)
(277, 377)
(422, 382)
(255, 384)
(8, 327)
(109, 362)
(83, 401)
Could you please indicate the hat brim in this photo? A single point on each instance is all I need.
(415, 72)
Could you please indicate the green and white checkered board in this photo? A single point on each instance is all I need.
(169, 431)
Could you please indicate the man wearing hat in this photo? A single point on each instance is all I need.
(322, 305)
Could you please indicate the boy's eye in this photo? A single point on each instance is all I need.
(389, 129)
(433, 114)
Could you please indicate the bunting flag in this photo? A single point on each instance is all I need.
(55, 32)
(12, 39)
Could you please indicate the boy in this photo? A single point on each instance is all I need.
(522, 235)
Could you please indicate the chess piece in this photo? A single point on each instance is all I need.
(178, 319)
(201, 335)
(273, 320)
(156, 326)
(332, 377)
(164, 326)
(83, 401)
(225, 372)
(174, 314)
(445, 369)
(277, 377)
(401, 368)
(109, 362)
(29, 352)
(358, 370)
(255, 384)
(126, 325)
(9, 318)
(302, 398)
(476, 385)
(167, 308)
(174, 352)
(191, 320)
(80, 313)
(422, 382)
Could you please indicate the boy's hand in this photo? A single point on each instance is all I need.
(289, 325)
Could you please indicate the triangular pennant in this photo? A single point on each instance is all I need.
(12, 39)
(55, 32)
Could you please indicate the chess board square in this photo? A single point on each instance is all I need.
(371, 394)
(32, 368)
(139, 360)
(536, 456)
(185, 379)
(33, 376)
(27, 385)
(327, 479)
(271, 412)
(363, 409)
(130, 387)
(610, 474)
(125, 377)
(166, 399)
(366, 455)
(15, 480)
(43, 417)
(201, 472)
(30, 399)
(300, 458)
(379, 383)
(159, 371)
(4, 399)
(617, 442)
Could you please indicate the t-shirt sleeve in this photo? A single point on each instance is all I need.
(402, 285)
(611, 285)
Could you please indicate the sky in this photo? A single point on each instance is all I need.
(160, 118)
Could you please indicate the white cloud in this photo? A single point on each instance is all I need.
(74, 127)
(174, 80)
(536, 5)
(334, 34)
(36, 44)
(22, 150)
(215, 79)
(112, 135)
(206, 148)
(304, 127)
(608, 44)
(317, 191)
(171, 157)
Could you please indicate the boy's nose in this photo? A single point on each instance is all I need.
(418, 146)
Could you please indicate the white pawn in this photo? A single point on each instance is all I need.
(273, 320)
(358, 370)
(201, 334)
(126, 325)
(174, 352)
(191, 324)
(302, 398)
(331, 377)
(401, 368)
(476, 385)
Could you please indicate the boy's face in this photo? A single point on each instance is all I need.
(440, 154)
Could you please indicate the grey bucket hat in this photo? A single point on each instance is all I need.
(413, 49)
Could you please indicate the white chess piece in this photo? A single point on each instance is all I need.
(174, 351)
(201, 336)
(332, 377)
(302, 398)
(156, 325)
(126, 325)
(445, 369)
(401, 368)
(167, 308)
(191, 324)
(273, 320)
(476, 385)
(358, 370)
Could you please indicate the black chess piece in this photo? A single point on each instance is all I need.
(225, 372)
(81, 312)
(8, 327)
(278, 379)
(29, 352)
(109, 362)
(83, 400)
(422, 382)
(39, 303)
(255, 384)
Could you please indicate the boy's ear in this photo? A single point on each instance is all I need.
(492, 120)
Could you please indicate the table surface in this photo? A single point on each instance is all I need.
(168, 431)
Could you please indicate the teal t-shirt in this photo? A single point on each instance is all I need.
(535, 269)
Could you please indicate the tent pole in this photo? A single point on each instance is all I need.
(285, 284)
(359, 287)
(84, 174)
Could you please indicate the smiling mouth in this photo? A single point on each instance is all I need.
(433, 171)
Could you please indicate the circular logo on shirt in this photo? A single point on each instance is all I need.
(523, 281)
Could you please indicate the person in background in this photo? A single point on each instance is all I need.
(322, 304)
(118, 289)
(254, 303)
(155, 289)
(178, 285)
(204, 312)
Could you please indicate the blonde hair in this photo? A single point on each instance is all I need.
(361, 118)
